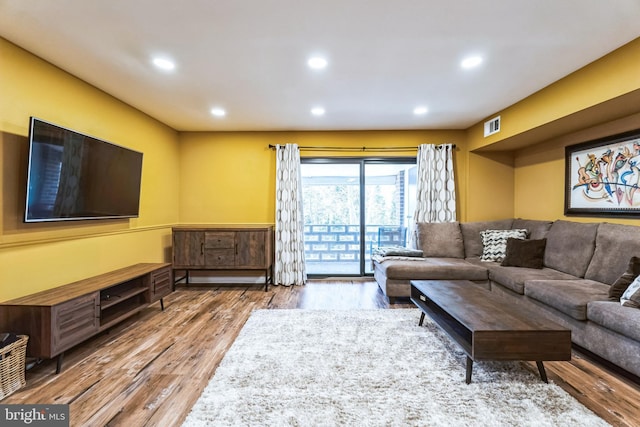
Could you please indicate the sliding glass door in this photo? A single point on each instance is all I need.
(390, 196)
(352, 206)
(331, 206)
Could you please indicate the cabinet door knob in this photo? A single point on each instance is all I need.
(201, 248)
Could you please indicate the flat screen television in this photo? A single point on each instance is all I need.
(72, 176)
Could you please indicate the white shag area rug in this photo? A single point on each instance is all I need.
(370, 368)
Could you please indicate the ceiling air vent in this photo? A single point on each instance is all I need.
(492, 126)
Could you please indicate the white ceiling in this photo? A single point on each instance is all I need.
(385, 57)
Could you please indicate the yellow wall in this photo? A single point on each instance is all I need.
(229, 177)
(540, 172)
(489, 185)
(40, 256)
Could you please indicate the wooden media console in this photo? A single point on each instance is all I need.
(59, 318)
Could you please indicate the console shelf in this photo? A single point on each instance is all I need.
(60, 318)
(125, 310)
(113, 299)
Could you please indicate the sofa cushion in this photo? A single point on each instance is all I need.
(494, 243)
(567, 296)
(537, 228)
(524, 253)
(514, 278)
(622, 283)
(432, 268)
(471, 234)
(570, 246)
(440, 239)
(612, 241)
(612, 315)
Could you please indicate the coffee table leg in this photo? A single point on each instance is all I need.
(543, 373)
(469, 370)
(421, 319)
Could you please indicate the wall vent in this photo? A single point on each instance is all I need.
(492, 126)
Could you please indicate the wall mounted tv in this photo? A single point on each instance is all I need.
(72, 176)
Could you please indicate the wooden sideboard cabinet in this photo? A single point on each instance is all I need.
(224, 248)
(59, 318)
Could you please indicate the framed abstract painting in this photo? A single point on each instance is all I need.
(602, 176)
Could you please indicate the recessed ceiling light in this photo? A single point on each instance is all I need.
(420, 111)
(317, 63)
(164, 63)
(218, 112)
(471, 62)
(317, 111)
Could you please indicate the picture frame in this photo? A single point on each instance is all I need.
(602, 176)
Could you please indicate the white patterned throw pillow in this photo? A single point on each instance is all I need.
(631, 297)
(494, 242)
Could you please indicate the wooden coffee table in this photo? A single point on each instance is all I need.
(488, 328)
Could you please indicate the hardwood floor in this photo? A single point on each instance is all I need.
(151, 369)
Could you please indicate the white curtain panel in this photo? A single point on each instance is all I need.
(289, 268)
(436, 191)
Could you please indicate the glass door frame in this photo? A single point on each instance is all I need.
(361, 161)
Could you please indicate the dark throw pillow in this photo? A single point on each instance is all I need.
(619, 286)
(524, 253)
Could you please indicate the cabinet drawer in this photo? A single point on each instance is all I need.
(219, 240)
(220, 257)
(160, 283)
(74, 321)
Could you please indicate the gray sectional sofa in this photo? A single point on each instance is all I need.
(580, 263)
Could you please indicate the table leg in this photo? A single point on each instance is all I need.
(469, 370)
(421, 319)
(543, 373)
(268, 278)
(59, 363)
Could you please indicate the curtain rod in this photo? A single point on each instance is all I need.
(359, 148)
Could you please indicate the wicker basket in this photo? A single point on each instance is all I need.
(12, 366)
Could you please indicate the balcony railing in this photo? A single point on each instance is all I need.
(341, 243)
